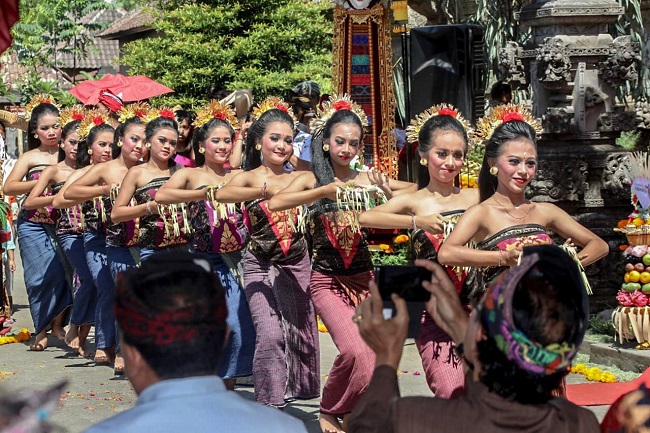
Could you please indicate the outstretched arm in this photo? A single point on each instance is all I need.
(60, 202)
(301, 191)
(122, 211)
(175, 190)
(88, 186)
(35, 199)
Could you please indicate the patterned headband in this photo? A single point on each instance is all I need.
(174, 325)
(496, 314)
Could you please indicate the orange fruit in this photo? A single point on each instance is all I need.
(626, 278)
(634, 276)
(638, 221)
(644, 277)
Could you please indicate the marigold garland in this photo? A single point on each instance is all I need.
(593, 374)
(22, 336)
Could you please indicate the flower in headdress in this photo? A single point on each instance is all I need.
(334, 104)
(270, 103)
(41, 98)
(215, 110)
(413, 130)
(502, 114)
(169, 114)
(91, 119)
(512, 116)
(138, 109)
(71, 114)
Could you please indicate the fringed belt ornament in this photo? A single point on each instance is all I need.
(75, 216)
(169, 216)
(357, 198)
(220, 211)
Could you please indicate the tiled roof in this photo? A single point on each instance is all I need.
(134, 21)
(102, 52)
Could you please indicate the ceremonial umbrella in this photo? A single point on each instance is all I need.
(130, 89)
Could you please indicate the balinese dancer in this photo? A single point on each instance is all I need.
(505, 221)
(96, 136)
(43, 261)
(127, 151)
(430, 213)
(341, 263)
(160, 227)
(276, 264)
(69, 228)
(218, 230)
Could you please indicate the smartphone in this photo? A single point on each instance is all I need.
(406, 281)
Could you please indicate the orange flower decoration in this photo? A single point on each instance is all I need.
(401, 239)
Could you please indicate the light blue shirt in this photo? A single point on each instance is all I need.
(198, 405)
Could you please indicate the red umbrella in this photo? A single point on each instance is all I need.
(130, 89)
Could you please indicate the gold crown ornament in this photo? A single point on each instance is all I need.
(502, 114)
(331, 106)
(155, 113)
(413, 130)
(91, 119)
(129, 111)
(41, 98)
(270, 103)
(216, 110)
(71, 114)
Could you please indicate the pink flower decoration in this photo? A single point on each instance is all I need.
(512, 116)
(639, 298)
(78, 116)
(624, 299)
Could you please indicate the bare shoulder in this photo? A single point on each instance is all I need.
(468, 197)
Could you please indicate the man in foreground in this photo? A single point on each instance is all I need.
(517, 346)
(172, 315)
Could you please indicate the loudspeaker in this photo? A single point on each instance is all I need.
(447, 66)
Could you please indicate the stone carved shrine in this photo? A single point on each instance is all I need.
(572, 66)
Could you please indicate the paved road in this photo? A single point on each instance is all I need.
(93, 393)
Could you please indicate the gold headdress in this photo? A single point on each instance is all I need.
(334, 104)
(270, 103)
(129, 111)
(502, 114)
(41, 98)
(216, 110)
(71, 114)
(413, 130)
(155, 113)
(91, 119)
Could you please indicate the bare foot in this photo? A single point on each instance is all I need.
(101, 357)
(118, 367)
(40, 342)
(330, 423)
(72, 337)
(59, 333)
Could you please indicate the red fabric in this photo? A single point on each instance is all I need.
(598, 394)
(112, 101)
(8, 17)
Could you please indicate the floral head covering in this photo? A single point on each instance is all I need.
(551, 263)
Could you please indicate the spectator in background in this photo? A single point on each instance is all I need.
(184, 151)
(310, 90)
(172, 313)
(110, 103)
(501, 93)
(302, 109)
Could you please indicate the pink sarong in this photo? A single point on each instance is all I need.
(355, 363)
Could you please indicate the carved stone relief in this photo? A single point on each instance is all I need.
(614, 181)
(555, 61)
(622, 121)
(620, 65)
(559, 181)
(511, 65)
(559, 120)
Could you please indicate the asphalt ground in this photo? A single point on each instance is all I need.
(93, 393)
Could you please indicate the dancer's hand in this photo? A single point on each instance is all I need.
(433, 223)
(510, 257)
(332, 189)
(382, 181)
(444, 305)
(385, 337)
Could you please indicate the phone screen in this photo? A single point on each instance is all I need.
(406, 281)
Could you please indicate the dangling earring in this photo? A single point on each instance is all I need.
(201, 150)
(494, 170)
(62, 146)
(119, 143)
(90, 151)
(423, 161)
(258, 146)
(147, 145)
(326, 147)
(35, 135)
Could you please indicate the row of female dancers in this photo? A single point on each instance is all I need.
(280, 264)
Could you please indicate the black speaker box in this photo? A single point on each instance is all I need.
(447, 66)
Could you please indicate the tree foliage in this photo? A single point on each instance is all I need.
(263, 45)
